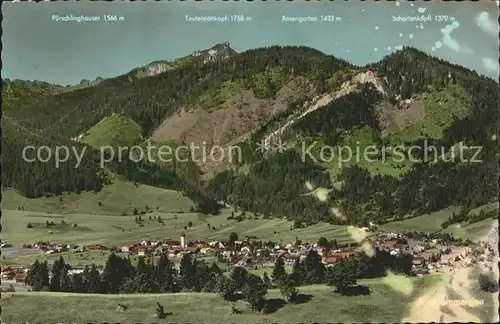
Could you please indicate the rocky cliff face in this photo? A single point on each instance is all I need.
(156, 68)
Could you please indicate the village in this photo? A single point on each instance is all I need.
(428, 254)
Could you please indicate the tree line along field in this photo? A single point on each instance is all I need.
(323, 306)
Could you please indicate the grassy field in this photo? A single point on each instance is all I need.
(110, 229)
(321, 305)
(432, 223)
(425, 223)
(115, 130)
(118, 198)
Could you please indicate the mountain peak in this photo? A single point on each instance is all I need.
(218, 51)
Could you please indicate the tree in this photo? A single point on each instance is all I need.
(187, 272)
(160, 312)
(488, 282)
(279, 271)
(342, 276)
(202, 275)
(29, 225)
(239, 275)
(254, 291)
(267, 280)
(298, 273)
(190, 224)
(323, 241)
(77, 284)
(91, 280)
(38, 276)
(66, 280)
(164, 274)
(288, 290)
(144, 284)
(224, 286)
(215, 270)
(115, 272)
(233, 237)
(314, 269)
(403, 263)
(57, 274)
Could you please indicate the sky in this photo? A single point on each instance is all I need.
(36, 46)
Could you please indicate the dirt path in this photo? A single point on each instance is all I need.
(430, 306)
(426, 308)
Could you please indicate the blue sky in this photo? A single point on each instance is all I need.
(37, 48)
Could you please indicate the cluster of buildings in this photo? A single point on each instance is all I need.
(428, 254)
(11, 273)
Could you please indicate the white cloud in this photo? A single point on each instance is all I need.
(487, 24)
(490, 64)
(449, 41)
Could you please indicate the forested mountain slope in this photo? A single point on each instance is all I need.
(273, 93)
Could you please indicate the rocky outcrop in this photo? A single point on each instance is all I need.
(323, 100)
(156, 68)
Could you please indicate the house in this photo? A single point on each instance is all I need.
(245, 249)
(192, 249)
(321, 250)
(427, 256)
(418, 262)
(445, 259)
(330, 260)
(75, 271)
(141, 252)
(207, 250)
(9, 275)
(173, 242)
(216, 244)
(126, 248)
(418, 248)
(21, 277)
(341, 255)
(202, 245)
(394, 243)
(96, 247)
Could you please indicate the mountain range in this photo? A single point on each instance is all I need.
(287, 97)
